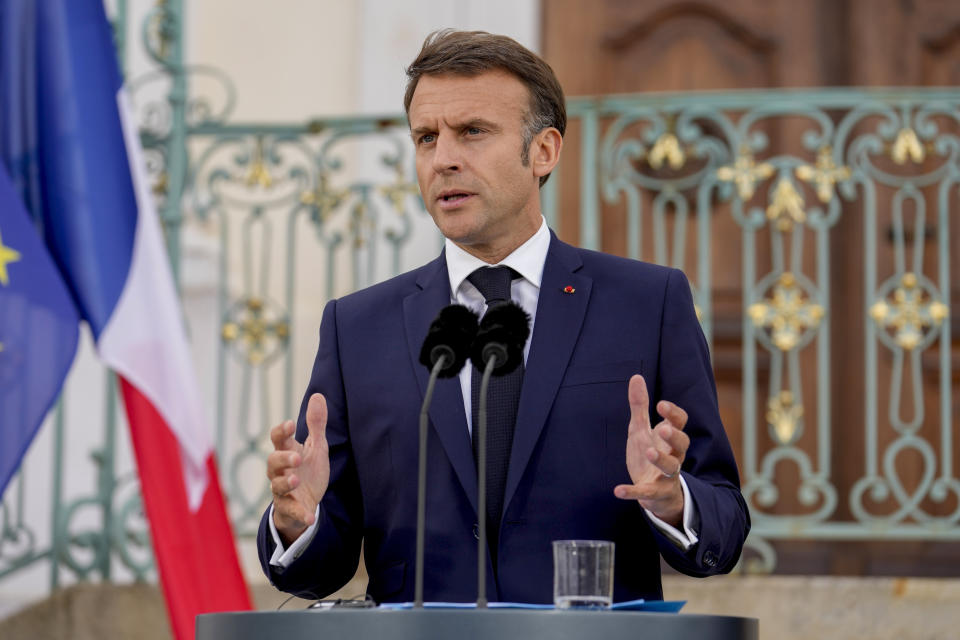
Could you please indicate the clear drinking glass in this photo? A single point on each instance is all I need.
(582, 574)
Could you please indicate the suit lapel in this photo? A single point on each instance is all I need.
(559, 318)
(446, 411)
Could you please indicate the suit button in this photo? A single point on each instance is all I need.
(476, 530)
(710, 559)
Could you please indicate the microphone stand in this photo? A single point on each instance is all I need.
(481, 428)
(422, 479)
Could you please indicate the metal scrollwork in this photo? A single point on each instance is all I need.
(129, 533)
(257, 329)
(783, 416)
(786, 206)
(745, 173)
(667, 161)
(661, 158)
(911, 147)
(339, 195)
(912, 311)
(18, 542)
(759, 556)
(788, 313)
(347, 181)
(785, 309)
(825, 174)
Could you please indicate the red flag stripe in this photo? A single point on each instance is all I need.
(195, 551)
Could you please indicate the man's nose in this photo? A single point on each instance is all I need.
(446, 155)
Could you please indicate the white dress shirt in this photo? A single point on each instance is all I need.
(528, 260)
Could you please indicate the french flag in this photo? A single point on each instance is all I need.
(69, 143)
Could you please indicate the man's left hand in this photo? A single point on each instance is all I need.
(654, 456)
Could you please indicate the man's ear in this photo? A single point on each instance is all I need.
(545, 151)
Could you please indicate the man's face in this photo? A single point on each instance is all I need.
(468, 136)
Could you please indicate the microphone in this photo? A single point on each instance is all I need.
(450, 336)
(497, 350)
(502, 334)
(444, 352)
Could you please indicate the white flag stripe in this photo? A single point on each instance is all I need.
(144, 339)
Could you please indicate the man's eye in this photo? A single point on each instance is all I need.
(473, 131)
(427, 138)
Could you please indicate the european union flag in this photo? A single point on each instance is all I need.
(38, 330)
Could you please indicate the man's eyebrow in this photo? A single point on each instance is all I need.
(416, 132)
(419, 131)
(479, 123)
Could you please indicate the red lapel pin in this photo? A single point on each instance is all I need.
(568, 289)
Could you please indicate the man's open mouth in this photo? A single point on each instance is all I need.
(454, 196)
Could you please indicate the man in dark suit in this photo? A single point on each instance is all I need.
(579, 449)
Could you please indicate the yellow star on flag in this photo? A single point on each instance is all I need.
(7, 255)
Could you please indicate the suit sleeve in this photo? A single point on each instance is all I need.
(685, 377)
(331, 558)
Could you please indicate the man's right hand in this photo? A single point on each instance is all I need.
(299, 473)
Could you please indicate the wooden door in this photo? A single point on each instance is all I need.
(600, 47)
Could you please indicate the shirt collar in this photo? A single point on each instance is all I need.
(527, 259)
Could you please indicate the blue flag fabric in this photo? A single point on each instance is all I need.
(38, 330)
(60, 151)
(60, 141)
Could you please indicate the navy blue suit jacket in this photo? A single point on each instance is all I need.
(624, 317)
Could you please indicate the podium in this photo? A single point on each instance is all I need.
(467, 624)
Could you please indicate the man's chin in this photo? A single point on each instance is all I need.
(455, 226)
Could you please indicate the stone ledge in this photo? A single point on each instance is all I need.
(93, 612)
(804, 607)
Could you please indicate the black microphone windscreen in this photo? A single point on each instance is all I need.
(508, 325)
(454, 327)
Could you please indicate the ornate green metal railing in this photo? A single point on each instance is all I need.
(815, 226)
(866, 158)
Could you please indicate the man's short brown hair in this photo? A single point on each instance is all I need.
(470, 53)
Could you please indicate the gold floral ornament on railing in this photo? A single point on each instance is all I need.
(323, 199)
(783, 415)
(666, 149)
(259, 174)
(788, 313)
(908, 313)
(160, 187)
(361, 225)
(253, 332)
(397, 191)
(787, 206)
(907, 145)
(824, 174)
(745, 173)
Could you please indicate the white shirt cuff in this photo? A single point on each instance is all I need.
(284, 558)
(684, 539)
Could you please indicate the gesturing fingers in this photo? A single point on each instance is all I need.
(279, 462)
(282, 436)
(639, 402)
(282, 485)
(317, 417)
(672, 414)
(671, 440)
(669, 465)
(292, 512)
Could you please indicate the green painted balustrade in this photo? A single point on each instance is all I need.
(790, 177)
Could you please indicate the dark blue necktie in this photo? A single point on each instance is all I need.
(503, 398)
